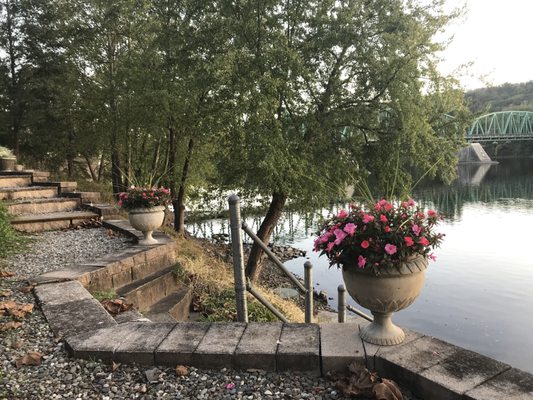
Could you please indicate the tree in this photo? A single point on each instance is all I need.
(328, 92)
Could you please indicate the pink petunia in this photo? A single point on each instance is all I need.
(342, 214)
(365, 244)
(339, 235)
(387, 229)
(390, 249)
(330, 246)
(383, 218)
(349, 228)
(411, 202)
(432, 213)
(408, 241)
(324, 238)
(432, 257)
(368, 218)
(423, 241)
(416, 230)
(361, 261)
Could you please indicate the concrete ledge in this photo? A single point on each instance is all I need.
(340, 345)
(299, 348)
(258, 346)
(142, 343)
(514, 384)
(217, 348)
(179, 345)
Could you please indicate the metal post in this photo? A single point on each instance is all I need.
(308, 278)
(238, 258)
(341, 303)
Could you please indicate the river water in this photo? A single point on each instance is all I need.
(479, 292)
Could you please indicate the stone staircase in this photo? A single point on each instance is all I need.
(36, 204)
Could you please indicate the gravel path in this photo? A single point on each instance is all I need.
(59, 377)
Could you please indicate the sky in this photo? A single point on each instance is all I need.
(495, 36)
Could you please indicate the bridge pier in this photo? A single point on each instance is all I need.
(474, 153)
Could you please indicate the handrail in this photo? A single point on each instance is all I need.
(241, 285)
(342, 306)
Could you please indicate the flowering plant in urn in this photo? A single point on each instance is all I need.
(384, 251)
(146, 209)
(142, 197)
(380, 236)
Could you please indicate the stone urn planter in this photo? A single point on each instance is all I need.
(383, 293)
(146, 220)
(7, 163)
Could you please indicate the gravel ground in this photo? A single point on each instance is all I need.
(59, 377)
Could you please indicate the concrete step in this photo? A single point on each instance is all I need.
(171, 308)
(15, 180)
(64, 186)
(145, 292)
(50, 221)
(29, 192)
(42, 206)
(40, 176)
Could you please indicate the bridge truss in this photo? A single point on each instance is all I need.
(505, 125)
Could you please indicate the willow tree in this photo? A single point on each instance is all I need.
(328, 92)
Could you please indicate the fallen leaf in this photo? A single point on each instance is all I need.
(8, 305)
(32, 358)
(114, 366)
(6, 274)
(387, 390)
(182, 370)
(17, 344)
(26, 289)
(5, 293)
(115, 306)
(10, 325)
(17, 310)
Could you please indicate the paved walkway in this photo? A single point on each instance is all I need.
(431, 368)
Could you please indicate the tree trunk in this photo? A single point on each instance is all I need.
(179, 206)
(253, 267)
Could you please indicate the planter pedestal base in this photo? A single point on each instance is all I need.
(382, 331)
(148, 240)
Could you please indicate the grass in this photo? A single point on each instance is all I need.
(11, 241)
(212, 281)
(104, 294)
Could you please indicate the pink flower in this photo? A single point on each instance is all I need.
(383, 218)
(390, 249)
(416, 230)
(423, 241)
(368, 218)
(330, 246)
(324, 238)
(388, 207)
(230, 386)
(408, 241)
(342, 214)
(361, 261)
(387, 229)
(404, 204)
(120, 203)
(411, 202)
(432, 257)
(349, 228)
(382, 202)
(432, 213)
(339, 235)
(365, 244)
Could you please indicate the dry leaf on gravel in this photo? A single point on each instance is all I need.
(5, 293)
(9, 325)
(32, 358)
(6, 274)
(182, 370)
(114, 366)
(361, 383)
(115, 306)
(17, 344)
(17, 310)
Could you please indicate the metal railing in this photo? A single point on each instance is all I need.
(242, 285)
(343, 307)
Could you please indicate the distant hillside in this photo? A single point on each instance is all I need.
(507, 97)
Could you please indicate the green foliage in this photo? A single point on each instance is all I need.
(506, 97)
(5, 152)
(221, 307)
(10, 241)
(105, 294)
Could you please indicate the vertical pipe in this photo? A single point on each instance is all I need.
(238, 259)
(342, 303)
(308, 277)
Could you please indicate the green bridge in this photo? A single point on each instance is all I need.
(505, 125)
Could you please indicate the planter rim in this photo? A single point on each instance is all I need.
(409, 266)
(146, 210)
